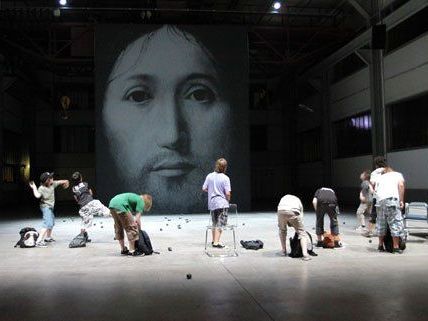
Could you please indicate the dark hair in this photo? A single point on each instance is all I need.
(76, 178)
(380, 161)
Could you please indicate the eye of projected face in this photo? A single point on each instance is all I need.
(138, 95)
(200, 94)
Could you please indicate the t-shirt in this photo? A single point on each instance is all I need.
(326, 195)
(127, 202)
(388, 185)
(374, 177)
(291, 203)
(218, 185)
(48, 194)
(83, 196)
(365, 190)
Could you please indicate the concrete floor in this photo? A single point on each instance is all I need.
(96, 283)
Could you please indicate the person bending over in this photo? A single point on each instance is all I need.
(46, 194)
(89, 207)
(390, 197)
(217, 185)
(366, 200)
(121, 208)
(325, 201)
(290, 210)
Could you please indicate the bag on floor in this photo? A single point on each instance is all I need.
(28, 237)
(328, 242)
(143, 244)
(388, 244)
(296, 247)
(79, 241)
(252, 245)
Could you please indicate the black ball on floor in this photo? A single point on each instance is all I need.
(167, 225)
(63, 220)
(161, 230)
(370, 241)
(95, 224)
(243, 223)
(344, 223)
(102, 226)
(170, 249)
(188, 276)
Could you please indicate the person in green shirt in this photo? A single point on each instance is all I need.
(121, 208)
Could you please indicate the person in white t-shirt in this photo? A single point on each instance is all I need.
(390, 197)
(290, 211)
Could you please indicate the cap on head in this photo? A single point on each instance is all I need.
(45, 176)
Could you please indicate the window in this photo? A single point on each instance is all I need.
(258, 138)
(409, 123)
(309, 146)
(74, 139)
(408, 30)
(353, 136)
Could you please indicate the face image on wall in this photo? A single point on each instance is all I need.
(170, 101)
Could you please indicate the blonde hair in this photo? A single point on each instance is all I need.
(148, 202)
(221, 165)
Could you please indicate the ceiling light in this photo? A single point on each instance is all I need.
(277, 5)
(63, 2)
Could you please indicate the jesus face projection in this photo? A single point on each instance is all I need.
(166, 116)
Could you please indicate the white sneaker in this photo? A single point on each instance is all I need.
(306, 258)
(41, 244)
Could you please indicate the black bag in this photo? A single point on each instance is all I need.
(296, 248)
(388, 244)
(143, 243)
(79, 241)
(252, 245)
(28, 237)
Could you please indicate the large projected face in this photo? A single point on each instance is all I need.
(167, 116)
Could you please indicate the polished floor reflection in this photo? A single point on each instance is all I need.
(96, 283)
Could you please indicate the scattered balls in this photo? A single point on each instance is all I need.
(188, 276)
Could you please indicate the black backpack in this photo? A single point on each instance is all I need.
(28, 237)
(296, 248)
(252, 245)
(387, 242)
(143, 244)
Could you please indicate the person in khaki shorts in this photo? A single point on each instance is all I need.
(290, 211)
(121, 207)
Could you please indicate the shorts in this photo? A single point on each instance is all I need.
(295, 220)
(124, 222)
(93, 208)
(219, 217)
(390, 215)
(48, 217)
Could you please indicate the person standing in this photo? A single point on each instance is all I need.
(89, 207)
(121, 208)
(390, 196)
(217, 185)
(366, 200)
(325, 201)
(46, 194)
(290, 211)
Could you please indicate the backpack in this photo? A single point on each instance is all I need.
(28, 237)
(328, 242)
(296, 248)
(79, 241)
(388, 244)
(252, 245)
(143, 244)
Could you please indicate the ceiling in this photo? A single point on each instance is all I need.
(289, 40)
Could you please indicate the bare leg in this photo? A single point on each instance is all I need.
(122, 244)
(217, 235)
(49, 233)
(131, 246)
(283, 240)
(213, 233)
(396, 242)
(319, 238)
(42, 235)
(381, 239)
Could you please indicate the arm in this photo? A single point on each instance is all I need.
(401, 189)
(315, 203)
(35, 191)
(64, 183)
(138, 219)
(205, 186)
(362, 198)
(229, 195)
(90, 192)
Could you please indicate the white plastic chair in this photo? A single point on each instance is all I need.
(232, 224)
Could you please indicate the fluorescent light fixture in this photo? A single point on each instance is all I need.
(277, 5)
(63, 2)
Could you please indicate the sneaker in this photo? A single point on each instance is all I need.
(306, 258)
(380, 248)
(136, 253)
(320, 244)
(41, 244)
(397, 251)
(49, 239)
(312, 253)
(218, 245)
(125, 251)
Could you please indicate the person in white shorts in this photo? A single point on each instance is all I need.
(89, 207)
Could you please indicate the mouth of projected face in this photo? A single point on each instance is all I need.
(173, 168)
